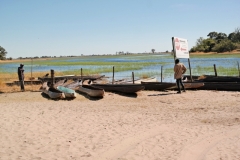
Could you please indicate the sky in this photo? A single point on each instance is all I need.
(30, 28)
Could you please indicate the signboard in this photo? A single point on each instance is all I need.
(180, 47)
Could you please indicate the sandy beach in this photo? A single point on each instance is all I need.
(150, 125)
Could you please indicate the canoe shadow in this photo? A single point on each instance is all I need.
(162, 94)
(88, 97)
(130, 95)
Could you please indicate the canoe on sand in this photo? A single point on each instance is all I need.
(91, 90)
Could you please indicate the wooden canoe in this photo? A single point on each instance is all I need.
(91, 90)
(124, 88)
(157, 86)
(211, 78)
(54, 93)
(69, 93)
(73, 85)
(170, 85)
(138, 81)
(221, 86)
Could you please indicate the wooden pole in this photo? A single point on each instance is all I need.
(31, 73)
(161, 72)
(113, 76)
(238, 70)
(215, 70)
(133, 77)
(190, 69)
(81, 76)
(52, 78)
(173, 48)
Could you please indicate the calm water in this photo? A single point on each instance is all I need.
(167, 67)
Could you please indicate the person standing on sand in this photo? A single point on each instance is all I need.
(179, 70)
(21, 76)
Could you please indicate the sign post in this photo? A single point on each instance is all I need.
(180, 50)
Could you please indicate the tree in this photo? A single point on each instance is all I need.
(236, 35)
(224, 46)
(221, 36)
(153, 50)
(3, 53)
(212, 35)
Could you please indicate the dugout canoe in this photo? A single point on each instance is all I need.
(69, 93)
(158, 86)
(91, 90)
(124, 88)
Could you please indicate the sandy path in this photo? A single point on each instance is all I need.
(149, 125)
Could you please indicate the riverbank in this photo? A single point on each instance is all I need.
(148, 125)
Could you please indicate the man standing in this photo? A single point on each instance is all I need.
(179, 70)
(21, 76)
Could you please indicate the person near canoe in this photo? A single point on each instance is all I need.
(21, 76)
(179, 70)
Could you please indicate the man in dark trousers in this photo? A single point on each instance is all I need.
(179, 70)
(21, 76)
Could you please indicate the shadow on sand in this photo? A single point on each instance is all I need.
(162, 94)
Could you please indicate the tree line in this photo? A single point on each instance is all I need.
(218, 42)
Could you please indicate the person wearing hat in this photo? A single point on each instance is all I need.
(21, 76)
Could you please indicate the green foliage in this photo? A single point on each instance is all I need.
(212, 35)
(203, 45)
(218, 42)
(3, 53)
(224, 46)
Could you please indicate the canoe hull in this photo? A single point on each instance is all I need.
(124, 88)
(158, 86)
(91, 91)
(69, 93)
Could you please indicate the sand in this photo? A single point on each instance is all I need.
(150, 125)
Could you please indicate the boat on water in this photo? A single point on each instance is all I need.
(91, 90)
(123, 87)
(69, 93)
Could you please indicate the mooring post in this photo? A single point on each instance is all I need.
(81, 76)
(31, 73)
(133, 77)
(113, 76)
(215, 70)
(52, 78)
(190, 69)
(238, 70)
(161, 72)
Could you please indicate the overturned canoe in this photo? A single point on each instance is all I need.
(91, 90)
(124, 88)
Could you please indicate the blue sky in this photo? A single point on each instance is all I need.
(31, 28)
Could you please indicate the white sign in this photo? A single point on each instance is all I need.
(180, 47)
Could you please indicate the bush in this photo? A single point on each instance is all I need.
(224, 46)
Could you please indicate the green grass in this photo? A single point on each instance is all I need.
(215, 56)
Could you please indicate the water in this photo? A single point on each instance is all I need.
(161, 59)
